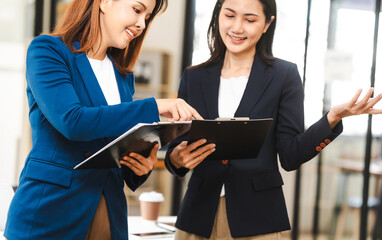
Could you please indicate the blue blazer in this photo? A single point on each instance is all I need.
(253, 187)
(70, 119)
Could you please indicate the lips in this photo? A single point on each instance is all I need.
(235, 38)
(131, 33)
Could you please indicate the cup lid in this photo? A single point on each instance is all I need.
(151, 197)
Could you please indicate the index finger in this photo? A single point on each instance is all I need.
(195, 114)
(196, 144)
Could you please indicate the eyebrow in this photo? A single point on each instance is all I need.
(143, 5)
(246, 14)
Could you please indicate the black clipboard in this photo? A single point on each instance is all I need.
(235, 138)
(139, 139)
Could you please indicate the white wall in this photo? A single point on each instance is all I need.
(166, 34)
(13, 25)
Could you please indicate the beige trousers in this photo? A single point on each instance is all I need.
(221, 231)
(100, 227)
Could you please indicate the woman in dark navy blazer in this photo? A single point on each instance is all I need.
(243, 198)
(74, 111)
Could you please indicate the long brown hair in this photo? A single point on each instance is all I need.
(263, 46)
(81, 23)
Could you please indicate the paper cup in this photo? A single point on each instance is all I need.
(150, 205)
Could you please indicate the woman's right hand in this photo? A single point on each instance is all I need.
(354, 107)
(176, 110)
(188, 156)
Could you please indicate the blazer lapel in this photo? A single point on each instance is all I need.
(125, 93)
(94, 90)
(210, 88)
(259, 78)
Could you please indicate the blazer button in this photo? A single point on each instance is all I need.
(322, 145)
(225, 162)
(318, 149)
(327, 141)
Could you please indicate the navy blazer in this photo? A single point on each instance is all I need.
(71, 119)
(253, 187)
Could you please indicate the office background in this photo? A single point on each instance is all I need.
(336, 46)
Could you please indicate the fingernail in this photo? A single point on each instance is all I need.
(213, 145)
(204, 141)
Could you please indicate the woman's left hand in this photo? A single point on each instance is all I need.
(354, 107)
(139, 164)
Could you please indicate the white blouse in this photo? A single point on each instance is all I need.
(104, 72)
(231, 92)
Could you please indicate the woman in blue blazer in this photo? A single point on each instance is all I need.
(72, 116)
(243, 198)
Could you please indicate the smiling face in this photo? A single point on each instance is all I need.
(241, 25)
(123, 20)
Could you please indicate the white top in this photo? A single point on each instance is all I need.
(231, 92)
(104, 72)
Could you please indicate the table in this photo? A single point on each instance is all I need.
(357, 166)
(161, 229)
(348, 167)
(138, 225)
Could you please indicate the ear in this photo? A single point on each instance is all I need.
(268, 24)
(105, 5)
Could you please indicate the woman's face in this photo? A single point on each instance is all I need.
(241, 24)
(123, 20)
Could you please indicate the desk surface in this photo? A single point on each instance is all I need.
(137, 225)
(358, 166)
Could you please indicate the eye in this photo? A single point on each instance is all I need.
(249, 20)
(229, 16)
(136, 10)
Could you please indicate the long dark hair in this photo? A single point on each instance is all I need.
(263, 46)
(81, 23)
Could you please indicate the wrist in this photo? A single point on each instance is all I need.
(333, 119)
(174, 162)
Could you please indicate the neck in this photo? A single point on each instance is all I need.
(237, 65)
(97, 52)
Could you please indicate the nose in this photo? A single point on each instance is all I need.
(141, 23)
(237, 26)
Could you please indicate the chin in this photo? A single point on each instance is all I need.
(122, 44)
(235, 51)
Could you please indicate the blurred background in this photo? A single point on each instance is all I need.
(335, 44)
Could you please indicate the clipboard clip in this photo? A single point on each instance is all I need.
(237, 118)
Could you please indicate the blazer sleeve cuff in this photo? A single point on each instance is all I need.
(132, 180)
(152, 104)
(337, 130)
(325, 134)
